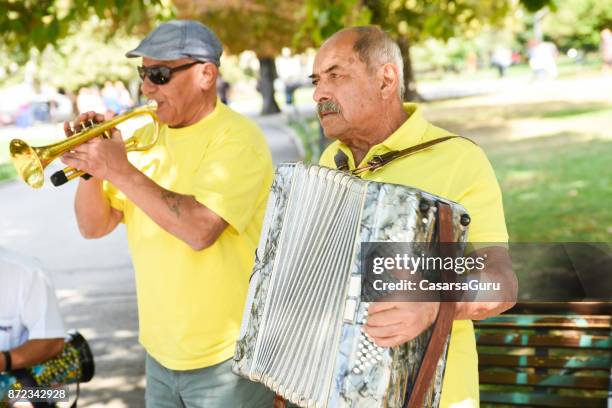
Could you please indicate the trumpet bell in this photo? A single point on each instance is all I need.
(27, 163)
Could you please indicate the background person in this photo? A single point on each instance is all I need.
(31, 327)
(606, 49)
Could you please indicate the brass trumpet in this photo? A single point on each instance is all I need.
(30, 162)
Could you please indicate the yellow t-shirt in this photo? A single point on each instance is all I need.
(190, 302)
(458, 170)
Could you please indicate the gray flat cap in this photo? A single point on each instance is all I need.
(178, 39)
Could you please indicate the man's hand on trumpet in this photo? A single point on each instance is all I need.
(105, 159)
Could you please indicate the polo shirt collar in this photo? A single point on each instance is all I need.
(410, 133)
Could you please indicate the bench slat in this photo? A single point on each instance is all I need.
(541, 380)
(586, 308)
(545, 321)
(545, 400)
(573, 362)
(540, 340)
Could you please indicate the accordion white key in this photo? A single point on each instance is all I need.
(301, 332)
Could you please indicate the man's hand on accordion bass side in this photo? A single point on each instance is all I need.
(390, 324)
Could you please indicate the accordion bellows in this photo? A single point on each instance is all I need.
(301, 332)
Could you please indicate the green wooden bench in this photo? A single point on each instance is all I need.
(546, 355)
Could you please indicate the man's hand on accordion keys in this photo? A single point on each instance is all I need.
(390, 324)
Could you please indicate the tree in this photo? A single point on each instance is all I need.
(87, 57)
(263, 26)
(28, 27)
(57, 33)
(408, 22)
(593, 16)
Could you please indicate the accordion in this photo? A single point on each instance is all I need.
(301, 334)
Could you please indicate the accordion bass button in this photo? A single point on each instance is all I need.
(356, 370)
(424, 205)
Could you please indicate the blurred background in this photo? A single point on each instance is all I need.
(530, 81)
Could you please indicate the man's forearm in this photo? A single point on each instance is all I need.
(33, 352)
(180, 215)
(95, 216)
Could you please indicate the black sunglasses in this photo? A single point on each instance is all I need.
(160, 74)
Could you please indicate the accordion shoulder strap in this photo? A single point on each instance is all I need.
(381, 160)
(442, 326)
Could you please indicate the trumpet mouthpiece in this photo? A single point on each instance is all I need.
(58, 178)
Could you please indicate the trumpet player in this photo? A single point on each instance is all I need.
(193, 206)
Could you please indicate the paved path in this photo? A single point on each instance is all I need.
(94, 278)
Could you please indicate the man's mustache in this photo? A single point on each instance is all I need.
(328, 106)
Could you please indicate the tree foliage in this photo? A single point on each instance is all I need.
(87, 58)
(577, 23)
(408, 22)
(416, 20)
(322, 18)
(34, 24)
(262, 26)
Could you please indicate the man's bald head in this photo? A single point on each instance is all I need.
(373, 47)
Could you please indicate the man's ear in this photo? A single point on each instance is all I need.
(389, 80)
(208, 75)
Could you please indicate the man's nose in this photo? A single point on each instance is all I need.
(321, 94)
(147, 87)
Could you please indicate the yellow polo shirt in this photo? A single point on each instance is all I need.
(458, 170)
(190, 302)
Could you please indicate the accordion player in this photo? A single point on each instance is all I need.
(301, 333)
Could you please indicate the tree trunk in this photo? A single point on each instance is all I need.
(265, 85)
(410, 91)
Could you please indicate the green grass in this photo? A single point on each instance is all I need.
(556, 188)
(570, 112)
(566, 68)
(7, 171)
